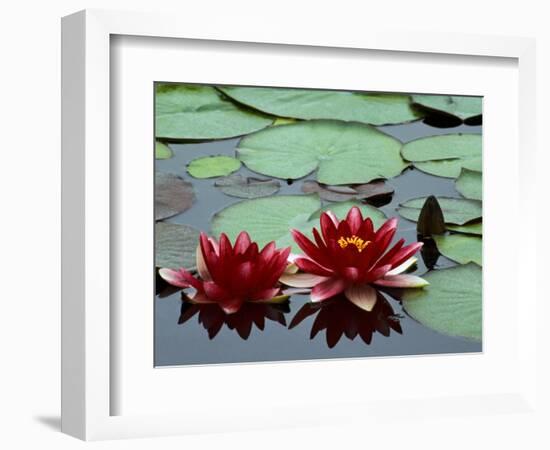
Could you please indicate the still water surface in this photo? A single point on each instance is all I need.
(390, 333)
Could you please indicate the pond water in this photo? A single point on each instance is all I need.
(389, 332)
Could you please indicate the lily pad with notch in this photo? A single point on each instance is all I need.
(365, 107)
(451, 303)
(184, 111)
(342, 153)
(466, 109)
(375, 190)
(173, 195)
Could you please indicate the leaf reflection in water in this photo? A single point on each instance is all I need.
(339, 317)
(213, 318)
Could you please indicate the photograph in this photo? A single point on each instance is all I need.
(297, 224)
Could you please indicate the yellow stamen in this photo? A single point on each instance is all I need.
(359, 243)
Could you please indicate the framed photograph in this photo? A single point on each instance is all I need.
(244, 210)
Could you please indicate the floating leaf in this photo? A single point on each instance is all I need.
(162, 151)
(343, 153)
(462, 107)
(200, 112)
(374, 189)
(451, 304)
(457, 211)
(243, 187)
(283, 121)
(460, 248)
(213, 166)
(445, 155)
(430, 220)
(173, 195)
(175, 245)
(469, 228)
(371, 108)
(469, 184)
(271, 218)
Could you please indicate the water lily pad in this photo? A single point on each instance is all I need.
(460, 248)
(371, 108)
(469, 228)
(457, 211)
(445, 155)
(247, 187)
(175, 245)
(469, 184)
(213, 166)
(271, 218)
(451, 304)
(162, 151)
(462, 107)
(173, 195)
(342, 153)
(201, 112)
(374, 189)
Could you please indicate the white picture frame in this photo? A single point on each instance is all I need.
(89, 322)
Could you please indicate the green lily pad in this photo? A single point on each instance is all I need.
(371, 108)
(242, 187)
(162, 151)
(445, 155)
(175, 245)
(173, 195)
(457, 211)
(342, 153)
(451, 304)
(462, 107)
(271, 218)
(469, 228)
(213, 166)
(460, 248)
(201, 112)
(469, 184)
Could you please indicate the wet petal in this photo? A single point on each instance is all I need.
(362, 296)
(328, 288)
(402, 281)
(302, 280)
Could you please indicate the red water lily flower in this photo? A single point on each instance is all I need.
(230, 276)
(350, 256)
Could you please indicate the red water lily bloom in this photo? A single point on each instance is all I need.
(230, 276)
(350, 256)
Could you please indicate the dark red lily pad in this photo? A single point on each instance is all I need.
(173, 195)
(368, 191)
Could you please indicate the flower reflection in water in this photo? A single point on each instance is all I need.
(340, 317)
(213, 318)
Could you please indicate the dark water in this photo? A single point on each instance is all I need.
(388, 330)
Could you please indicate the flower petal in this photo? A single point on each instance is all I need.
(309, 266)
(174, 278)
(403, 267)
(201, 265)
(354, 219)
(405, 253)
(291, 269)
(309, 248)
(328, 288)
(301, 280)
(267, 295)
(231, 306)
(328, 225)
(242, 242)
(402, 281)
(362, 295)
